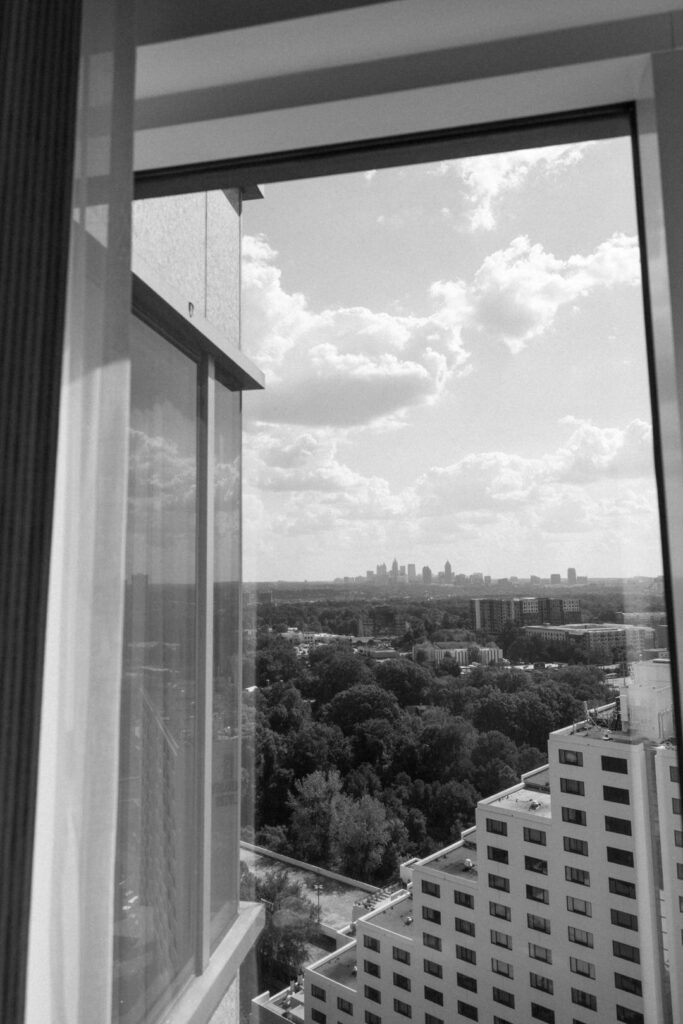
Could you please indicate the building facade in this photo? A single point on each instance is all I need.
(563, 904)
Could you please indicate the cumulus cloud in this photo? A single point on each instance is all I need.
(518, 292)
(343, 366)
(598, 484)
(488, 178)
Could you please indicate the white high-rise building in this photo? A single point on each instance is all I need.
(563, 904)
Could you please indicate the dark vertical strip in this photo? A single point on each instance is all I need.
(39, 48)
(665, 526)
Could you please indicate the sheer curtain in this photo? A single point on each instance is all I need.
(70, 954)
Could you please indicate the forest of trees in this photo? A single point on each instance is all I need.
(360, 764)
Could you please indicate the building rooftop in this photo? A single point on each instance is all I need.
(524, 799)
(460, 859)
(340, 967)
(396, 917)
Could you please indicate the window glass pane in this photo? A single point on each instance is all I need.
(225, 763)
(156, 892)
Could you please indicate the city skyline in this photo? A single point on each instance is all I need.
(452, 363)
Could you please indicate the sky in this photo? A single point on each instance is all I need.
(455, 369)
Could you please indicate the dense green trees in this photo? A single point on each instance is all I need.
(361, 764)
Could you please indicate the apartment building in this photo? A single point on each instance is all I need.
(564, 904)
(601, 641)
(490, 614)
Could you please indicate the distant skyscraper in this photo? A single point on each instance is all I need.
(426, 574)
(571, 575)
(411, 570)
(555, 578)
(448, 572)
(394, 570)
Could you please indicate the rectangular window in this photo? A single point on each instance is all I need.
(466, 927)
(371, 943)
(579, 936)
(429, 914)
(535, 835)
(499, 910)
(577, 875)
(618, 856)
(431, 888)
(615, 764)
(540, 982)
(577, 846)
(678, 837)
(621, 888)
(543, 1013)
(497, 854)
(431, 1019)
(436, 970)
(433, 995)
(501, 939)
(571, 757)
(578, 906)
(674, 774)
(620, 825)
(318, 993)
(463, 899)
(540, 953)
(624, 920)
(501, 967)
(372, 1018)
(616, 795)
(626, 984)
(585, 999)
(402, 955)
(344, 1005)
(373, 994)
(500, 883)
(400, 981)
(627, 1016)
(534, 892)
(574, 787)
(500, 1020)
(403, 1008)
(583, 967)
(679, 871)
(318, 1017)
(464, 953)
(573, 816)
(431, 941)
(536, 864)
(465, 981)
(503, 997)
(468, 1011)
(676, 805)
(626, 952)
(539, 924)
(370, 967)
(498, 828)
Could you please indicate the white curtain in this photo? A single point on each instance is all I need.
(70, 953)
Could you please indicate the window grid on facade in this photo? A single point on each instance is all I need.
(622, 888)
(578, 966)
(430, 888)
(466, 927)
(433, 995)
(466, 981)
(436, 970)
(432, 915)
(540, 982)
(497, 854)
(575, 905)
(401, 981)
(344, 1005)
(499, 910)
(614, 764)
(501, 967)
(373, 994)
(402, 955)
(580, 937)
(501, 939)
(626, 952)
(503, 997)
(624, 920)
(576, 846)
(585, 999)
(628, 984)
(538, 924)
(463, 899)
(573, 787)
(466, 954)
(403, 1008)
(535, 835)
(431, 941)
(615, 855)
(543, 1013)
(538, 895)
(573, 816)
(370, 967)
(577, 875)
(574, 757)
(620, 825)
(467, 1010)
(540, 953)
(536, 864)
(616, 795)
(499, 883)
(496, 826)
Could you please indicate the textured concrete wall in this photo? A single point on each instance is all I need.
(192, 242)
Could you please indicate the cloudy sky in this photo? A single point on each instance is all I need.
(455, 369)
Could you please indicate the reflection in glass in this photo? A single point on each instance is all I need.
(225, 801)
(155, 896)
